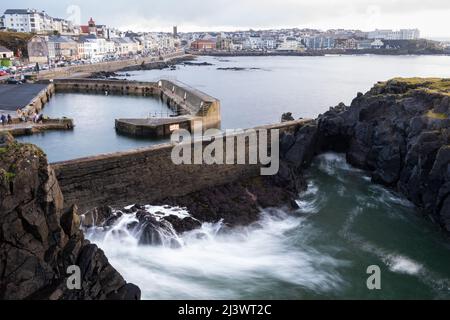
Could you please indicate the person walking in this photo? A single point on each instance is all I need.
(3, 119)
(9, 119)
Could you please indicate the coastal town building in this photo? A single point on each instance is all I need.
(203, 45)
(61, 48)
(369, 44)
(346, 44)
(126, 46)
(291, 44)
(37, 49)
(95, 48)
(319, 43)
(402, 34)
(93, 29)
(6, 53)
(224, 43)
(33, 21)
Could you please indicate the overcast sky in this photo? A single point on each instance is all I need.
(432, 17)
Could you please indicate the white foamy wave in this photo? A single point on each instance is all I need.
(388, 197)
(309, 201)
(401, 264)
(398, 263)
(244, 261)
(332, 163)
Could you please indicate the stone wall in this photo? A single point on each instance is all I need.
(179, 97)
(193, 101)
(103, 66)
(154, 128)
(38, 102)
(111, 86)
(145, 175)
(29, 128)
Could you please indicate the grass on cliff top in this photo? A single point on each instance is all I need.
(433, 85)
(435, 115)
(6, 36)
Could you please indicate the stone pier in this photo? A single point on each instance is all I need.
(186, 102)
(147, 174)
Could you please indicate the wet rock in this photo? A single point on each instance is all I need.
(151, 230)
(191, 63)
(5, 139)
(287, 117)
(70, 221)
(103, 75)
(399, 131)
(236, 204)
(101, 216)
(183, 225)
(39, 240)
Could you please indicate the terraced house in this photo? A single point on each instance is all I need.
(31, 20)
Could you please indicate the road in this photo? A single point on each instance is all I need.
(16, 96)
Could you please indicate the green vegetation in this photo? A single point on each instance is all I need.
(6, 176)
(5, 63)
(435, 84)
(405, 85)
(434, 115)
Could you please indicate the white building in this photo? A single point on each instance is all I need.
(253, 43)
(31, 20)
(268, 43)
(402, 34)
(6, 53)
(291, 44)
(94, 48)
(125, 46)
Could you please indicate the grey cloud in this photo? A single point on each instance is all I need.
(243, 13)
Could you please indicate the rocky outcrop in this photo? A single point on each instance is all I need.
(158, 64)
(400, 131)
(39, 240)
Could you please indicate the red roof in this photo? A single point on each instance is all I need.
(84, 29)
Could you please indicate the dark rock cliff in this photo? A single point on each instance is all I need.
(38, 240)
(400, 131)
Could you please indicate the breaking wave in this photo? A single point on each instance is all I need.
(343, 224)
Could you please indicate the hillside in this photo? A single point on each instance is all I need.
(16, 41)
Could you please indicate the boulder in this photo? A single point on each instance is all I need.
(5, 139)
(399, 131)
(39, 240)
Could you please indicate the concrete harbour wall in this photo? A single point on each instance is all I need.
(37, 103)
(180, 98)
(147, 175)
(104, 66)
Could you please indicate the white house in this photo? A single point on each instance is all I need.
(93, 47)
(125, 46)
(31, 20)
(291, 44)
(5, 53)
(388, 34)
(253, 43)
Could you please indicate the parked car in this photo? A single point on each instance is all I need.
(13, 81)
(3, 73)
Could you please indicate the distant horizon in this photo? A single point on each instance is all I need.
(221, 16)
